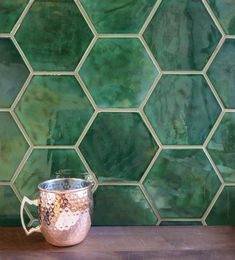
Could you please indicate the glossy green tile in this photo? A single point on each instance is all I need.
(223, 211)
(182, 109)
(13, 72)
(50, 35)
(222, 147)
(54, 110)
(10, 11)
(121, 205)
(123, 16)
(181, 223)
(13, 146)
(44, 164)
(118, 147)
(9, 208)
(118, 72)
(225, 13)
(182, 183)
(222, 73)
(181, 35)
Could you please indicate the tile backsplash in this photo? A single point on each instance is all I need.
(140, 95)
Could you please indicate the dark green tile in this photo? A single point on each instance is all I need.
(50, 35)
(182, 109)
(181, 35)
(222, 147)
(181, 223)
(118, 72)
(121, 205)
(10, 11)
(182, 183)
(44, 164)
(9, 208)
(123, 16)
(223, 212)
(222, 73)
(13, 72)
(13, 146)
(54, 110)
(118, 147)
(225, 13)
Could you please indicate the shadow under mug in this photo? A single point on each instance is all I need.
(64, 210)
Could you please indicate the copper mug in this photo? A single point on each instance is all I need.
(64, 210)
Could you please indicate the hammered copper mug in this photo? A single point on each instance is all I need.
(64, 210)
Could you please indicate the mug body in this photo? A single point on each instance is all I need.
(65, 210)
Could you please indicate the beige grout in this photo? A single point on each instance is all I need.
(118, 183)
(4, 109)
(227, 184)
(182, 72)
(5, 35)
(53, 73)
(229, 36)
(182, 219)
(53, 147)
(117, 110)
(170, 147)
(5, 183)
(117, 36)
(229, 110)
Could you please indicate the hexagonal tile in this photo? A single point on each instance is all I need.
(44, 164)
(13, 72)
(222, 147)
(187, 36)
(126, 206)
(123, 16)
(13, 146)
(118, 72)
(10, 11)
(182, 183)
(58, 43)
(222, 73)
(118, 147)
(54, 110)
(225, 13)
(182, 109)
(9, 207)
(223, 212)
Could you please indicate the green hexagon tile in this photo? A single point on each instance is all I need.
(139, 94)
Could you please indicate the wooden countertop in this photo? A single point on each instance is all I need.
(126, 243)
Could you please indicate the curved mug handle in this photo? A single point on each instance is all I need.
(30, 202)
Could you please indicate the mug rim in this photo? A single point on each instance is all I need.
(89, 184)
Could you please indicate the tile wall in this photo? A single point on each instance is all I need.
(138, 94)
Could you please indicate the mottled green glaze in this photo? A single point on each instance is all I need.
(10, 11)
(13, 146)
(54, 35)
(118, 147)
(222, 73)
(118, 72)
(45, 164)
(182, 183)
(223, 212)
(182, 35)
(54, 110)
(122, 16)
(9, 208)
(225, 13)
(182, 109)
(13, 72)
(222, 147)
(181, 223)
(122, 205)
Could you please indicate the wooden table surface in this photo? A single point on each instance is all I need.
(126, 243)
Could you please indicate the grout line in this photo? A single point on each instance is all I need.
(117, 110)
(229, 110)
(77, 76)
(5, 183)
(21, 18)
(182, 219)
(215, 126)
(227, 184)
(206, 213)
(151, 204)
(21, 92)
(182, 72)
(21, 165)
(4, 109)
(87, 127)
(149, 18)
(117, 35)
(5, 35)
(53, 147)
(85, 55)
(86, 16)
(170, 147)
(118, 183)
(229, 36)
(213, 17)
(150, 165)
(53, 73)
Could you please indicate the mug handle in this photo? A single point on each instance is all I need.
(30, 202)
